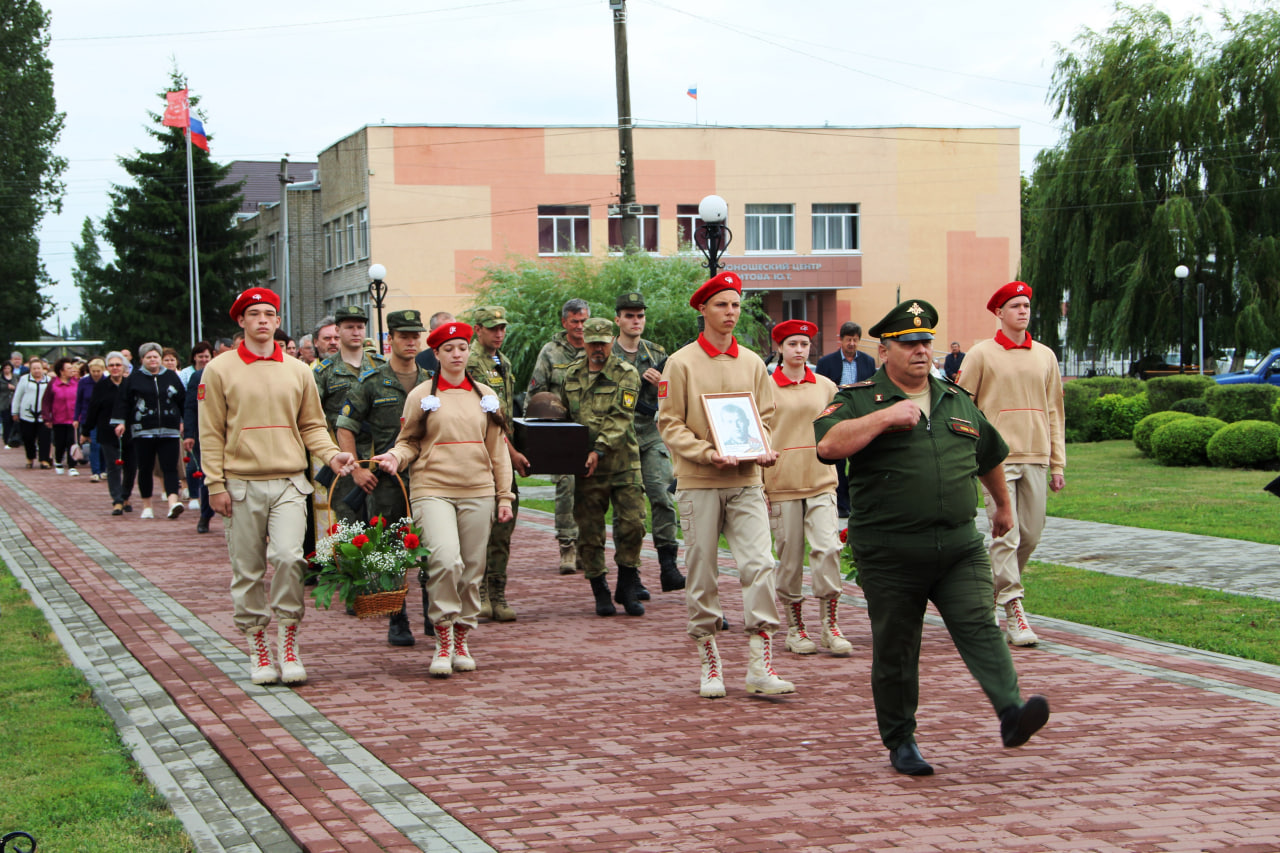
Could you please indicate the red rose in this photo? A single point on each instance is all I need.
(333, 529)
(119, 461)
(360, 540)
(844, 535)
(377, 521)
(186, 459)
(197, 474)
(411, 541)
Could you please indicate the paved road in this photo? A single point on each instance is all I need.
(586, 734)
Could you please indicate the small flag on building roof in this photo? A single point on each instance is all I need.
(198, 139)
(692, 92)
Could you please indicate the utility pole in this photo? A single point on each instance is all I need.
(627, 206)
(287, 319)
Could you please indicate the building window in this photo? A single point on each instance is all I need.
(339, 256)
(350, 219)
(793, 306)
(273, 254)
(648, 237)
(835, 228)
(687, 223)
(362, 232)
(564, 229)
(328, 246)
(771, 228)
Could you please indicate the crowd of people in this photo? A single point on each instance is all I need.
(716, 441)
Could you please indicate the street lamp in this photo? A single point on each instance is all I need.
(712, 237)
(378, 292)
(1181, 272)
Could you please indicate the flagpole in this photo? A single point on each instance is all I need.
(193, 263)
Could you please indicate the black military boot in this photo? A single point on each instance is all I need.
(642, 594)
(426, 604)
(398, 633)
(670, 573)
(628, 586)
(600, 587)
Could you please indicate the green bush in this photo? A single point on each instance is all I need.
(1148, 425)
(1123, 385)
(1164, 391)
(1275, 411)
(1245, 444)
(1079, 394)
(1233, 403)
(1183, 441)
(1192, 406)
(1114, 416)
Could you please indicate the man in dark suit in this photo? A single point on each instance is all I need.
(951, 367)
(846, 366)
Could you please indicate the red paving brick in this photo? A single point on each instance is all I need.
(579, 733)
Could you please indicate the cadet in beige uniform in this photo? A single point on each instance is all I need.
(259, 415)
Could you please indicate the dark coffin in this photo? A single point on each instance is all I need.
(553, 447)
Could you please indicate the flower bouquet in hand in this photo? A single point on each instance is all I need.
(366, 565)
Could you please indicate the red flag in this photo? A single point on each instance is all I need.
(175, 111)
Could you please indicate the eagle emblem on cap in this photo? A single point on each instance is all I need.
(453, 329)
(257, 296)
(916, 309)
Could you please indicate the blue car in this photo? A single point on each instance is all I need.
(1267, 371)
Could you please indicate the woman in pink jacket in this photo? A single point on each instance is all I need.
(59, 410)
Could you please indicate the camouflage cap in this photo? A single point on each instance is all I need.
(405, 321)
(912, 320)
(632, 299)
(597, 330)
(490, 316)
(350, 312)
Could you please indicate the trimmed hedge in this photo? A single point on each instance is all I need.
(1192, 406)
(1148, 425)
(1245, 444)
(1078, 394)
(1183, 441)
(1233, 403)
(1275, 411)
(1164, 391)
(1114, 416)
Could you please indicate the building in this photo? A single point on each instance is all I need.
(831, 223)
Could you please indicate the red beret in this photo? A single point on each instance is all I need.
(723, 281)
(254, 296)
(787, 328)
(1004, 294)
(447, 332)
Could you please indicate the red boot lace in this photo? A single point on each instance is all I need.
(460, 641)
(1020, 617)
(290, 636)
(442, 640)
(260, 649)
(767, 648)
(798, 618)
(832, 604)
(713, 661)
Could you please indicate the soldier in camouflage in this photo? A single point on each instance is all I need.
(373, 407)
(488, 366)
(555, 357)
(648, 359)
(600, 391)
(335, 376)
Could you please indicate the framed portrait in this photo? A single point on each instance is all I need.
(735, 424)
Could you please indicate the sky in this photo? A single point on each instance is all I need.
(288, 78)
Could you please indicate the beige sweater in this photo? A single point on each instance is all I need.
(682, 420)
(1020, 392)
(258, 420)
(455, 451)
(798, 474)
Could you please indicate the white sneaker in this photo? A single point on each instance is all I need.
(73, 473)
(146, 513)
(1016, 627)
(193, 504)
(57, 469)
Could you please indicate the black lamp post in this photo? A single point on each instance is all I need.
(378, 293)
(712, 237)
(1181, 272)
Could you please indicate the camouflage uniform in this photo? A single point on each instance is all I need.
(549, 370)
(604, 402)
(655, 459)
(495, 371)
(334, 379)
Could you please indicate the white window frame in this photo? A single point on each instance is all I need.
(687, 222)
(273, 254)
(826, 218)
(771, 229)
(327, 231)
(648, 223)
(576, 217)
(349, 226)
(362, 232)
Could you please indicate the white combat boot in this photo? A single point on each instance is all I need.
(760, 675)
(442, 663)
(1016, 627)
(462, 659)
(831, 637)
(260, 668)
(798, 639)
(290, 653)
(712, 685)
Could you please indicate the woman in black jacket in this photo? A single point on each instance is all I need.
(117, 452)
(150, 406)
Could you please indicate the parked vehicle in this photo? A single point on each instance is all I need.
(1267, 370)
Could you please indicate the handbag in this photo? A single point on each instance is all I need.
(77, 453)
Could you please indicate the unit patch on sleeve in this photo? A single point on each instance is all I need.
(662, 389)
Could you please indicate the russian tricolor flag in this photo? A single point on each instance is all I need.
(198, 138)
(692, 92)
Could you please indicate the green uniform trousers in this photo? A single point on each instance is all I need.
(591, 499)
(900, 574)
(655, 469)
(566, 526)
(499, 551)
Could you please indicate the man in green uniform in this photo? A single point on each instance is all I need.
(373, 407)
(916, 445)
(655, 460)
(488, 366)
(600, 391)
(555, 357)
(334, 377)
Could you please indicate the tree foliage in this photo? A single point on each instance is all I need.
(143, 295)
(1169, 157)
(87, 277)
(29, 170)
(533, 292)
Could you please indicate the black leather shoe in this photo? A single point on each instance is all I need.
(202, 526)
(906, 758)
(1019, 723)
(398, 633)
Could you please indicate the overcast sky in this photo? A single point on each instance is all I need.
(290, 78)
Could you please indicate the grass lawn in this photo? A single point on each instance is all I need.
(66, 776)
(1111, 481)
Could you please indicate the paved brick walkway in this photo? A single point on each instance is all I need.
(587, 734)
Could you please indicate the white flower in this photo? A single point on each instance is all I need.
(430, 403)
(489, 403)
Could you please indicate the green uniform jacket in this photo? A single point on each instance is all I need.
(917, 479)
(376, 401)
(648, 355)
(605, 402)
(496, 374)
(553, 360)
(334, 378)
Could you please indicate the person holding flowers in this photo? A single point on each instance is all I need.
(453, 443)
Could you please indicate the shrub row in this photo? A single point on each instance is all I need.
(1106, 407)
(1180, 439)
